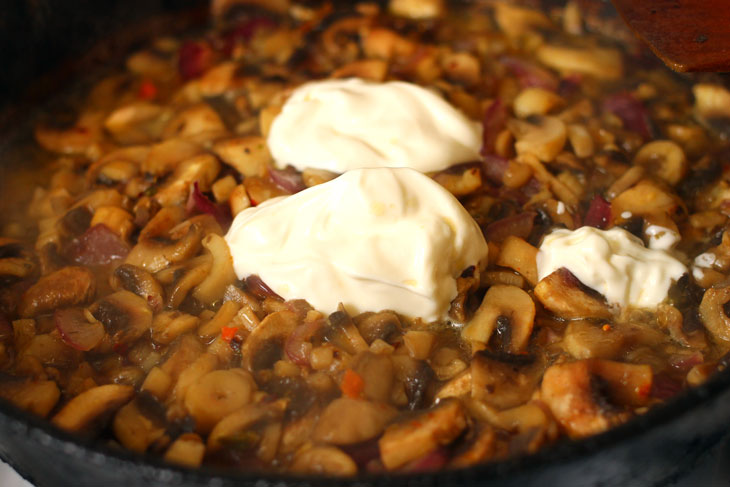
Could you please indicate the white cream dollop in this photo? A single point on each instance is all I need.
(372, 239)
(339, 125)
(613, 262)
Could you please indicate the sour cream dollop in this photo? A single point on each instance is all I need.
(613, 262)
(372, 239)
(339, 125)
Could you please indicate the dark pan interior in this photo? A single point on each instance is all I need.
(37, 40)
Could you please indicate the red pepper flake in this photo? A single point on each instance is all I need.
(644, 390)
(606, 327)
(228, 332)
(352, 384)
(147, 90)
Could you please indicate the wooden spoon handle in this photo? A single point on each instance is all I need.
(688, 35)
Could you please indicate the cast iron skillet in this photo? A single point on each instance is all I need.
(652, 449)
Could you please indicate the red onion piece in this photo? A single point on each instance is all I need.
(76, 331)
(245, 31)
(664, 387)
(494, 167)
(530, 75)
(295, 347)
(519, 225)
(96, 246)
(259, 288)
(288, 179)
(200, 203)
(194, 59)
(686, 362)
(495, 120)
(429, 462)
(364, 452)
(598, 214)
(631, 111)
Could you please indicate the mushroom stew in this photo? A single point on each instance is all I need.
(121, 316)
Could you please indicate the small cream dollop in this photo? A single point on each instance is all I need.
(339, 125)
(661, 238)
(613, 262)
(372, 239)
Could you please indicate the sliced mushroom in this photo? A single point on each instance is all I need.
(586, 339)
(602, 63)
(221, 273)
(136, 430)
(69, 286)
(663, 158)
(545, 140)
(229, 428)
(384, 325)
(503, 380)
(345, 421)
(198, 122)
(218, 394)
(413, 438)
(169, 325)
(535, 101)
(91, 406)
(711, 101)
(561, 293)
(342, 332)
(417, 9)
(141, 283)
(50, 350)
(644, 198)
(165, 156)
(369, 69)
(38, 396)
(201, 169)
(265, 345)
(516, 21)
(504, 307)
(137, 123)
(590, 396)
(154, 255)
(712, 312)
(248, 155)
(377, 374)
(519, 255)
(125, 316)
(323, 460)
(187, 450)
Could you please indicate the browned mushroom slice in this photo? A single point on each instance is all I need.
(345, 421)
(712, 311)
(154, 255)
(265, 345)
(216, 395)
(69, 286)
(384, 325)
(125, 316)
(590, 396)
(327, 460)
(561, 292)
(508, 310)
(187, 450)
(231, 429)
(38, 397)
(587, 339)
(92, 405)
(136, 430)
(503, 380)
(342, 333)
(141, 283)
(413, 438)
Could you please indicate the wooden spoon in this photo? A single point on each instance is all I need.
(688, 35)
